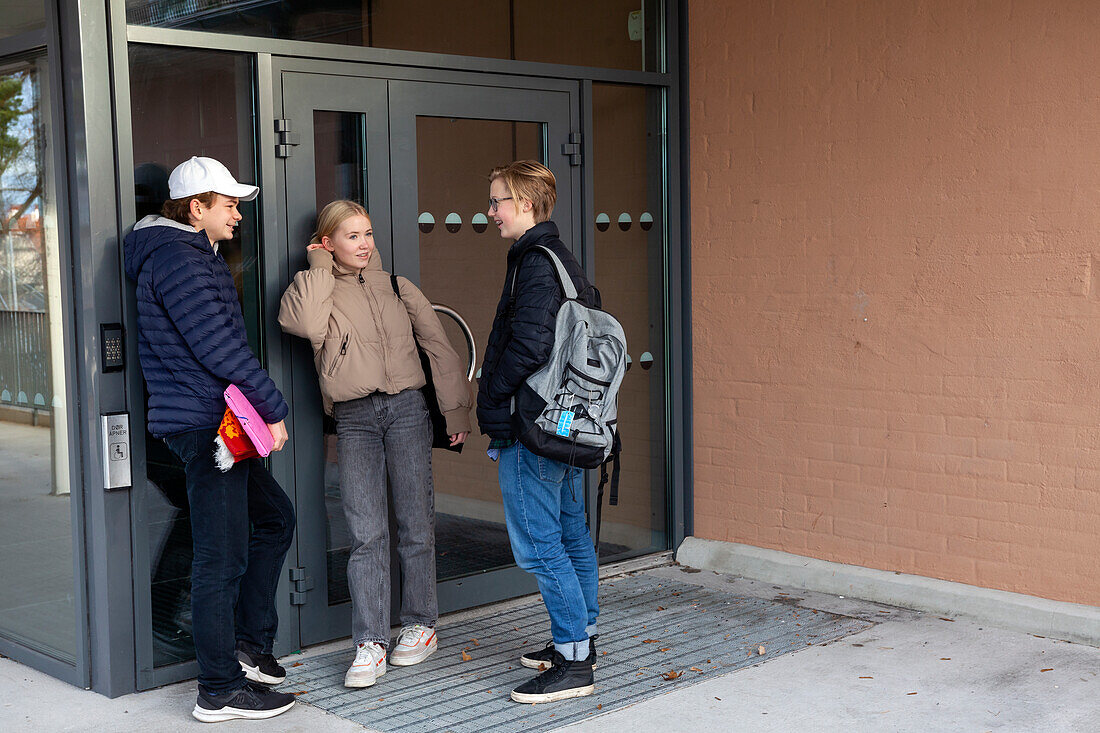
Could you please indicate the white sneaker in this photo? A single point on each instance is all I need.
(414, 644)
(369, 665)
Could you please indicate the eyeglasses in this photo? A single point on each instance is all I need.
(494, 203)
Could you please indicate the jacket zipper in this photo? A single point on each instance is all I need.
(376, 307)
(340, 356)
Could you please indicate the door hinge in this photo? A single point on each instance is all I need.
(573, 149)
(303, 584)
(285, 140)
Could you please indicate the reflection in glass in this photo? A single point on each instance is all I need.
(37, 582)
(463, 267)
(340, 169)
(618, 34)
(22, 16)
(628, 163)
(215, 121)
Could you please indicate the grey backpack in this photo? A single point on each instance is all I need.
(567, 409)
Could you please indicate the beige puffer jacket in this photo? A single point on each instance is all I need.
(362, 335)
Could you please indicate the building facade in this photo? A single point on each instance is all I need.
(404, 107)
(858, 290)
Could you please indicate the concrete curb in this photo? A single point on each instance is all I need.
(1039, 616)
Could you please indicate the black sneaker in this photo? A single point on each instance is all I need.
(565, 679)
(543, 659)
(261, 668)
(251, 702)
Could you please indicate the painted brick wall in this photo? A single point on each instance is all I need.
(896, 285)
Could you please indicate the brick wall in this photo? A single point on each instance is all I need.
(896, 285)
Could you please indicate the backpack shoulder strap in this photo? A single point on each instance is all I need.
(566, 282)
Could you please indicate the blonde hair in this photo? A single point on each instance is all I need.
(532, 181)
(333, 215)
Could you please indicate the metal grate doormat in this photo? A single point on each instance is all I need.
(652, 629)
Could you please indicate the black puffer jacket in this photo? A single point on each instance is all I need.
(523, 335)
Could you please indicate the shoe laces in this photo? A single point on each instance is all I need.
(369, 652)
(411, 635)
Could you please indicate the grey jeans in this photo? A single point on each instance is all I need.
(378, 436)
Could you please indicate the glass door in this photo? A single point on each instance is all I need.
(445, 138)
(417, 154)
(333, 136)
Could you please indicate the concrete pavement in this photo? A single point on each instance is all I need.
(910, 672)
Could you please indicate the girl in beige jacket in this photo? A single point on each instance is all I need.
(364, 340)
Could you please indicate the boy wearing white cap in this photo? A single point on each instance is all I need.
(192, 344)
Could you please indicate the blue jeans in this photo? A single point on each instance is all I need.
(378, 436)
(544, 510)
(242, 524)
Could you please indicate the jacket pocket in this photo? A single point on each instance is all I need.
(339, 355)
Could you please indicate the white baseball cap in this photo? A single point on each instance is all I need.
(200, 175)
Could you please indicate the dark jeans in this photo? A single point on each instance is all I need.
(382, 435)
(242, 524)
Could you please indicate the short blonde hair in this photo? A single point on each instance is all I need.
(532, 181)
(333, 215)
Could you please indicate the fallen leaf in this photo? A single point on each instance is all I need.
(910, 693)
(301, 692)
(696, 669)
(660, 608)
(1048, 669)
(760, 650)
(650, 641)
(296, 664)
(945, 619)
(466, 657)
(708, 661)
(945, 659)
(718, 699)
(664, 649)
(600, 706)
(866, 678)
(543, 667)
(671, 674)
(475, 642)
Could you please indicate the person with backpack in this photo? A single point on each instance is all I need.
(543, 498)
(365, 326)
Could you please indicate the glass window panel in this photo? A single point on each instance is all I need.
(340, 156)
(462, 265)
(188, 102)
(340, 169)
(629, 203)
(20, 16)
(619, 34)
(37, 582)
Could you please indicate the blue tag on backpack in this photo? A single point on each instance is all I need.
(564, 422)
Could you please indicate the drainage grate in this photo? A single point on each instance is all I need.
(650, 626)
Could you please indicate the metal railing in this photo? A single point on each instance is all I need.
(25, 359)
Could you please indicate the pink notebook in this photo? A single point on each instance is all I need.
(250, 420)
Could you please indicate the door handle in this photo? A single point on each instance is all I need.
(471, 348)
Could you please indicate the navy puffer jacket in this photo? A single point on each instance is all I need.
(523, 335)
(191, 335)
